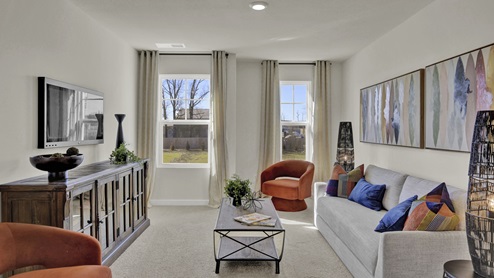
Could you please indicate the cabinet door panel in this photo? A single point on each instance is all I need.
(107, 233)
(82, 212)
(139, 188)
(125, 202)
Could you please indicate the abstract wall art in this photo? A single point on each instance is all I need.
(391, 111)
(455, 89)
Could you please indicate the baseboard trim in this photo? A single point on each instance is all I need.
(163, 202)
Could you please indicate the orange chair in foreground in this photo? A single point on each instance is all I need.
(62, 252)
(289, 182)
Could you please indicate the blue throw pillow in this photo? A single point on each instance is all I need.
(394, 219)
(368, 194)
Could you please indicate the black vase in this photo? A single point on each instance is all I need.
(120, 137)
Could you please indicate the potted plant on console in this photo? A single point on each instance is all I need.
(122, 155)
(237, 188)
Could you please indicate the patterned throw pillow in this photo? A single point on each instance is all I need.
(433, 212)
(332, 188)
(342, 183)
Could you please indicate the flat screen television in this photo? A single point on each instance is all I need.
(68, 115)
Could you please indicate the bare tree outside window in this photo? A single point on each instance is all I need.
(293, 114)
(185, 114)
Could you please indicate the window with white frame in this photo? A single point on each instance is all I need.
(185, 120)
(294, 116)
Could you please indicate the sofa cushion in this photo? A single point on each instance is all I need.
(432, 212)
(354, 225)
(368, 195)
(342, 183)
(395, 218)
(420, 187)
(393, 181)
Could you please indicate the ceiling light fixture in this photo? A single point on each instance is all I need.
(258, 5)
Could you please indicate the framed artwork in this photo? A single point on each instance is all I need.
(391, 111)
(455, 90)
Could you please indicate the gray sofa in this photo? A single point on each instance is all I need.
(349, 228)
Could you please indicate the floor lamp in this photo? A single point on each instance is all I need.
(480, 199)
(344, 152)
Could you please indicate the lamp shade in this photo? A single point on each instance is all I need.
(345, 155)
(480, 199)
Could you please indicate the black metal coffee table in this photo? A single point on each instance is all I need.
(234, 241)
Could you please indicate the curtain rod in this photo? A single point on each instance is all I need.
(188, 54)
(192, 54)
(297, 64)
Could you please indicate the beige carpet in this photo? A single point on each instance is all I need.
(179, 243)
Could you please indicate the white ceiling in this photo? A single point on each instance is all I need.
(288, 30)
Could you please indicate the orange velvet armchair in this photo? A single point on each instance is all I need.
(289, 182)
(63, 253)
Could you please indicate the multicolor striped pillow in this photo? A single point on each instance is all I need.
(342, 183)
(432, 212)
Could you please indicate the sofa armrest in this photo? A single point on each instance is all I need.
(419, 254)
(319, 190)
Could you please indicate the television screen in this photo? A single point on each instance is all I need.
(69, 115)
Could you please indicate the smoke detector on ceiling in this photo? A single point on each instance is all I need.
(170, 45)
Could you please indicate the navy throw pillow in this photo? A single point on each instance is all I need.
(368, 194)
(394, 219)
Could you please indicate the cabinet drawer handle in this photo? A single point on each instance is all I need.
(101, 221)
(89, 221)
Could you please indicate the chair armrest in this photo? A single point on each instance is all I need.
(53, 247)
(319, 190)
(418, 253)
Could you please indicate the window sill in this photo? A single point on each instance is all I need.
(183, 166)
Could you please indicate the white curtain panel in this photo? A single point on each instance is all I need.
(219, 157)
(147, 113)
(270, 145)
(321, 126)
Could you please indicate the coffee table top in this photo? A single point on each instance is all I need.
(227, 212)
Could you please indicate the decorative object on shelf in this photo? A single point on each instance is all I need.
(99, 132)
(455, 90)
(344, 152)
(252, 200)
(120, 136)
(479, 215)
(57, 164)
(391, 111)
(237, 188)
(122, 155)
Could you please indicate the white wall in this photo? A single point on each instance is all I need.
(53, 38)
(443, 29)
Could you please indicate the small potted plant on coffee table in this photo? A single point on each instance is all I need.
(237, 188)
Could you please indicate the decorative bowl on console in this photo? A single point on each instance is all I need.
(56, 164)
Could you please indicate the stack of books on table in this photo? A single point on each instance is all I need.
(256, 219)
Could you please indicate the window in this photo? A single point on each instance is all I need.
(294, 115)
(185, 107)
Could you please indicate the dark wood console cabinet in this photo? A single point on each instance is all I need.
(103, 200)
